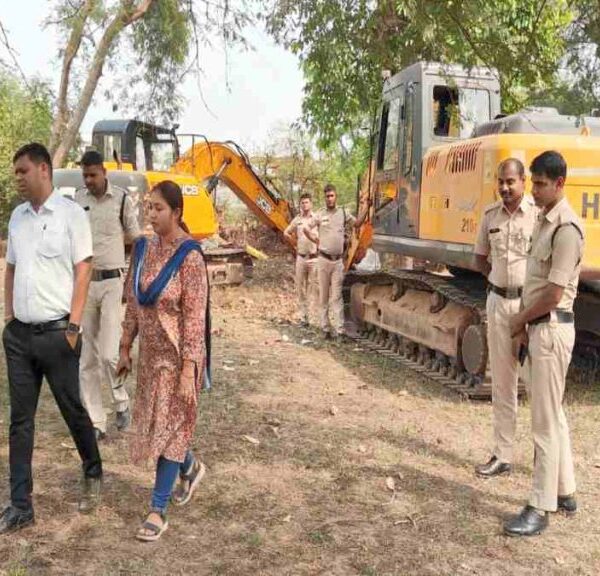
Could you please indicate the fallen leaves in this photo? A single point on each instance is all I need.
(333, 410)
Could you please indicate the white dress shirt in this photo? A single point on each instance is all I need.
(44, 246)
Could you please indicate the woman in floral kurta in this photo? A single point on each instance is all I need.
(172, 358)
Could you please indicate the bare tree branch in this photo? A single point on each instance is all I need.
(74, 42)
(128, 13)
(12, 53)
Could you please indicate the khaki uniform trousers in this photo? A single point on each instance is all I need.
(331, 278)
(306, 284)
(550, 348)
(100, 352)
(505, 374)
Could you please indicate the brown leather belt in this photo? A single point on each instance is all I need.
(560, 316)
(307, 256)
(99, 275)
(330, 256)
(508, 293)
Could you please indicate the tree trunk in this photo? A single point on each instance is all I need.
(73, 44)
(127, 15)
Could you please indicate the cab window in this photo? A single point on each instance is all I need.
(388, 135)
(111, 146)
(163, 153)
(456, 111)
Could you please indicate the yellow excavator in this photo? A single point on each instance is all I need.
(134, 149)
(438, 138)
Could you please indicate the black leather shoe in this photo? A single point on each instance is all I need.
(567, 505)
(90, 494)
(493, 467)
(530, 522)
(13, 519)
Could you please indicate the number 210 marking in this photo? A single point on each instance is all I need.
(468, 225)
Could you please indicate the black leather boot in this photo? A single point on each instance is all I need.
(567, 505)
(493, 467)
(530, 522)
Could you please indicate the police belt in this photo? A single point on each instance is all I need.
(330, 256)
(99, 275)
(560, 316)
(508, 293)
(308, 256)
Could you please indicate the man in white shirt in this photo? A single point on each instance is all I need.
(48, 266)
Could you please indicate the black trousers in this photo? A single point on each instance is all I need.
(31, 355)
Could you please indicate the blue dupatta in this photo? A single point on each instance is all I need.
(151, 295)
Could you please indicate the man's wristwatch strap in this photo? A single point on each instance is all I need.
(73, 328)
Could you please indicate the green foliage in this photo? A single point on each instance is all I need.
(161, 43)
(25, 116)
(577, 89)
(292, 163)
(344, 45)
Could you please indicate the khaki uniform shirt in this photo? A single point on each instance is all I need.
(305, 246)
(331, 225)
(108, 233)
(505, 239)
(556, 254)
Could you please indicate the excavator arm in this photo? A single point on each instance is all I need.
(211, 162)
(363, 236)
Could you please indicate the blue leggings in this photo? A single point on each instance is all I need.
(166, 475)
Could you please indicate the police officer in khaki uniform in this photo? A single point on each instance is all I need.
(332, 223)
(112, 217)
(545, 324)
(306, 257)
(501, 255)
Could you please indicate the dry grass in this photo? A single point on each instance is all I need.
(311, 497)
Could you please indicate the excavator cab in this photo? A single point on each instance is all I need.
(154, 151)
(145, 147)
(425, 105)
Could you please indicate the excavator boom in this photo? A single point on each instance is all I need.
(227, 162)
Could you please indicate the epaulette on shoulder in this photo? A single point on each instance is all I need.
(492, 207)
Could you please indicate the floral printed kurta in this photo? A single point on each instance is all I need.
(170, 332)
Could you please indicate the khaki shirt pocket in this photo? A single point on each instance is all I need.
(520, 243)
(541, 260)
(498, 242)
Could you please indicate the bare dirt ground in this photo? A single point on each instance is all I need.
(322, 460)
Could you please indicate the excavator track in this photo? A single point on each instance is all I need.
(468, 293)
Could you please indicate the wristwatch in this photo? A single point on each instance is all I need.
(73, 328)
